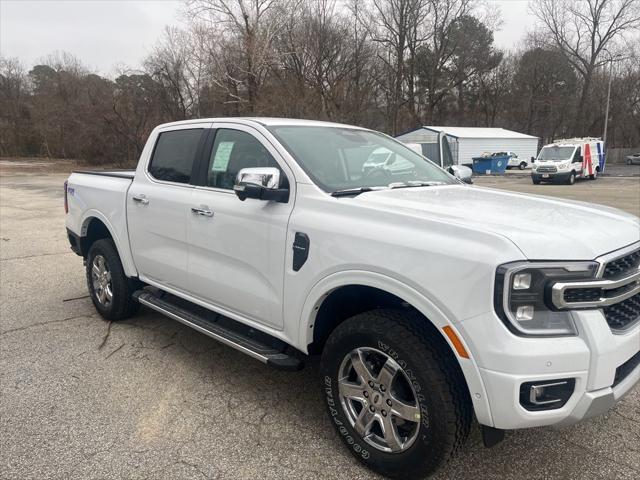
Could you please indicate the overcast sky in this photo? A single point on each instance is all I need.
(105, 34)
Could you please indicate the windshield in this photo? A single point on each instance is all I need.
(345, 158)
(556, 153)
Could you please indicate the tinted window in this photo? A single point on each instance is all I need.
(232, 151)
(174, 155)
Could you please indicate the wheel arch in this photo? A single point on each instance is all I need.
(336, 290)
(95, 226)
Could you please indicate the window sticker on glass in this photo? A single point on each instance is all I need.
(221, 160)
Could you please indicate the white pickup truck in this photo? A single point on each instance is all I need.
(430, 301)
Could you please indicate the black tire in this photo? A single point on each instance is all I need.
(434, 374)
(122, 305)
(535, 181)
(572, 178)
(594, 176)
(522, 165)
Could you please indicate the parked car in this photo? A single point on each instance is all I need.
(431, 302)
(565, 161)
(633, 158)
(514, 160)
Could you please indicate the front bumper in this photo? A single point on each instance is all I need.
(552, 177)
(592, 358)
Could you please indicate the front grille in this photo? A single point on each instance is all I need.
(626, 368)
(623, 265)
(582, 294)
(621, 316)
(547, 169)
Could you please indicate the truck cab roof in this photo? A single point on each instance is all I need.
(263, 121)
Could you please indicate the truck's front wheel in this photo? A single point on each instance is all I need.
(109, 287)
(395, 393)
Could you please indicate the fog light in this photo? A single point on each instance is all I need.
(521, 281)
(524, 313)
(546, 394)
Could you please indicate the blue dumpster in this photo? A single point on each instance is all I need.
(495, 165)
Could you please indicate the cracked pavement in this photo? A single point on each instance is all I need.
(81, 398)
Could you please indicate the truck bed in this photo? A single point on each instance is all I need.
(101, 195)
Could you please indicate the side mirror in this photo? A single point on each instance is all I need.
(261, 184)
(461, 173)
(578, 159)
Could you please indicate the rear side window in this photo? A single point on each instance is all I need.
(174, 155)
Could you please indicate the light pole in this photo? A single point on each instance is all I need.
(606, 114)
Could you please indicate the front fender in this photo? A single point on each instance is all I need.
(425, 306)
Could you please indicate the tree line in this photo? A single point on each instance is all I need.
(390, 65)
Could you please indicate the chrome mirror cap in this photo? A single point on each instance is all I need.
(266, 177)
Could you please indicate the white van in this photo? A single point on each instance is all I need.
(566, 160)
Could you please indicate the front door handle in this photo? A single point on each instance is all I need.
(203, 211)
(141, 199)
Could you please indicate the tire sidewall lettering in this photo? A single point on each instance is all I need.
(424, 412)
(342, 430)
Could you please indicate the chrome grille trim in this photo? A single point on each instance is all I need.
(558, 289)
(629, 286)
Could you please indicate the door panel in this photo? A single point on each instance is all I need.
(158, 232)
(236, 257)
(159, 203)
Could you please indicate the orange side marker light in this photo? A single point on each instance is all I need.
(457, 344)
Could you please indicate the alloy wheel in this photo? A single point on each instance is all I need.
(101, 279)
(379, 400)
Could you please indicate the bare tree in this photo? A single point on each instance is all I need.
(396, 26)
(254, 25)
(586, 31)
(16, 125)
(175, 64)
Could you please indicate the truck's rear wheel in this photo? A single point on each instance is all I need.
(109, 287)
(395, 393)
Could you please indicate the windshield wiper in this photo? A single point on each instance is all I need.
(414, 183)
(351, 192)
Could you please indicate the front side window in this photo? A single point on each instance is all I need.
(232, 151)
(339, 158)
(576, 156)
(174, 155)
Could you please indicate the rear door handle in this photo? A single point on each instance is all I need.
(141, 199)
(203, 211)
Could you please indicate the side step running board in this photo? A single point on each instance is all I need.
(180, 311)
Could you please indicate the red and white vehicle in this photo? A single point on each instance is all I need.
(566, 160)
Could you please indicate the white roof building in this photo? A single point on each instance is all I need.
(469, 142)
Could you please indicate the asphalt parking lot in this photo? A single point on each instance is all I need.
(149, 398)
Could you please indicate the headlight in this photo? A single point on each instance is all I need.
(522, 296)
(533, 166)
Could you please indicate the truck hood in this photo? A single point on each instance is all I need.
(543, 228)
